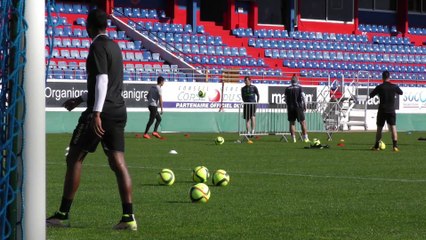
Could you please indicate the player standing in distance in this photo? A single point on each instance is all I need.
(155, 99)
(386, 113)
(103, 121)
(296, 107)
(250, 96)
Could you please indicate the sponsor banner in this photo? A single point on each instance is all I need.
(185, 95)
(276, 95)
(181, 97)
(202, 105)
(57, 92)
(414, 99)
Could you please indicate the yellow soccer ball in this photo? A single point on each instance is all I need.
(200, 174)
(219, 140)
(201, 94)
(166, 177)
(199, 193)
(220, 178)
(382, 145)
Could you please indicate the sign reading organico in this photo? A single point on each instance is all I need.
(57, 92)
(276, 94)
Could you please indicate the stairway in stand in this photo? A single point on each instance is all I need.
(232, 41)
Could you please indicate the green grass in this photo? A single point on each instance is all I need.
(277, 190)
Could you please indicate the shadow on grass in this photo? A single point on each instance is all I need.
(179, 202)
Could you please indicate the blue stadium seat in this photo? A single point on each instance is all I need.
(248, 32)
(57, 74)
(84, 54)
(144, 13)
(194, 39)
(268, 53)
(58, 32)
(237, 32)
(252, 42)
(169, 38)
(252, 62)
(211, 50)
(195, 49)
(210, 40)
(152, 14)
(178, 38)
(166, 27)
(57, 42)
(229, 61)
(187, 28)
(130, 56)
(267, 43)
(243, 52)
(218, 41)
(244, 62)
(136, 13)
(202, 40)
(235, 51)
(149, 26)
(219, 50)
(157, 27)
(213, 60)
(203, 49)
(200, 29)
(147, 56)
(75, 54)
(138, 56)
(186, 48)
(65, 53)
(227, 51)
(68, 8)
(121, 35)
(186, 39)
(67, 31)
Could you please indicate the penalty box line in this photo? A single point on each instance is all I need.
(401, 180)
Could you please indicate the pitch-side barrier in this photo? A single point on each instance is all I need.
(271, 119)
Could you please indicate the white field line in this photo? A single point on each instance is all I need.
(401, 180)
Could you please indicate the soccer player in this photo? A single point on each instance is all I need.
(155, 99)
(250, 96)
(103, 121)
(387, 93)
(296, 107)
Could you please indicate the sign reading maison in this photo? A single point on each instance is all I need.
(276, 95)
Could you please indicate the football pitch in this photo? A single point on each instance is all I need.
(277, 190)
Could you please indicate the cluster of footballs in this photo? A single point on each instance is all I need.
(200, 192)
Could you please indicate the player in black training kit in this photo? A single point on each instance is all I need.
(296, 107)
(250, 96)
(387, 93)
(102, 122)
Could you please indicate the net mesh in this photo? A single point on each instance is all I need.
(12, 111)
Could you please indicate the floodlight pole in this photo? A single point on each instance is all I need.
(35, 125)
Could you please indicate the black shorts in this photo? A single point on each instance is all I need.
(249, 110)
(296, 114)
(382, 117)
(85, 137)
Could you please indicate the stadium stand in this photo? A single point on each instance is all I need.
(263, 52)
(71, 43)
